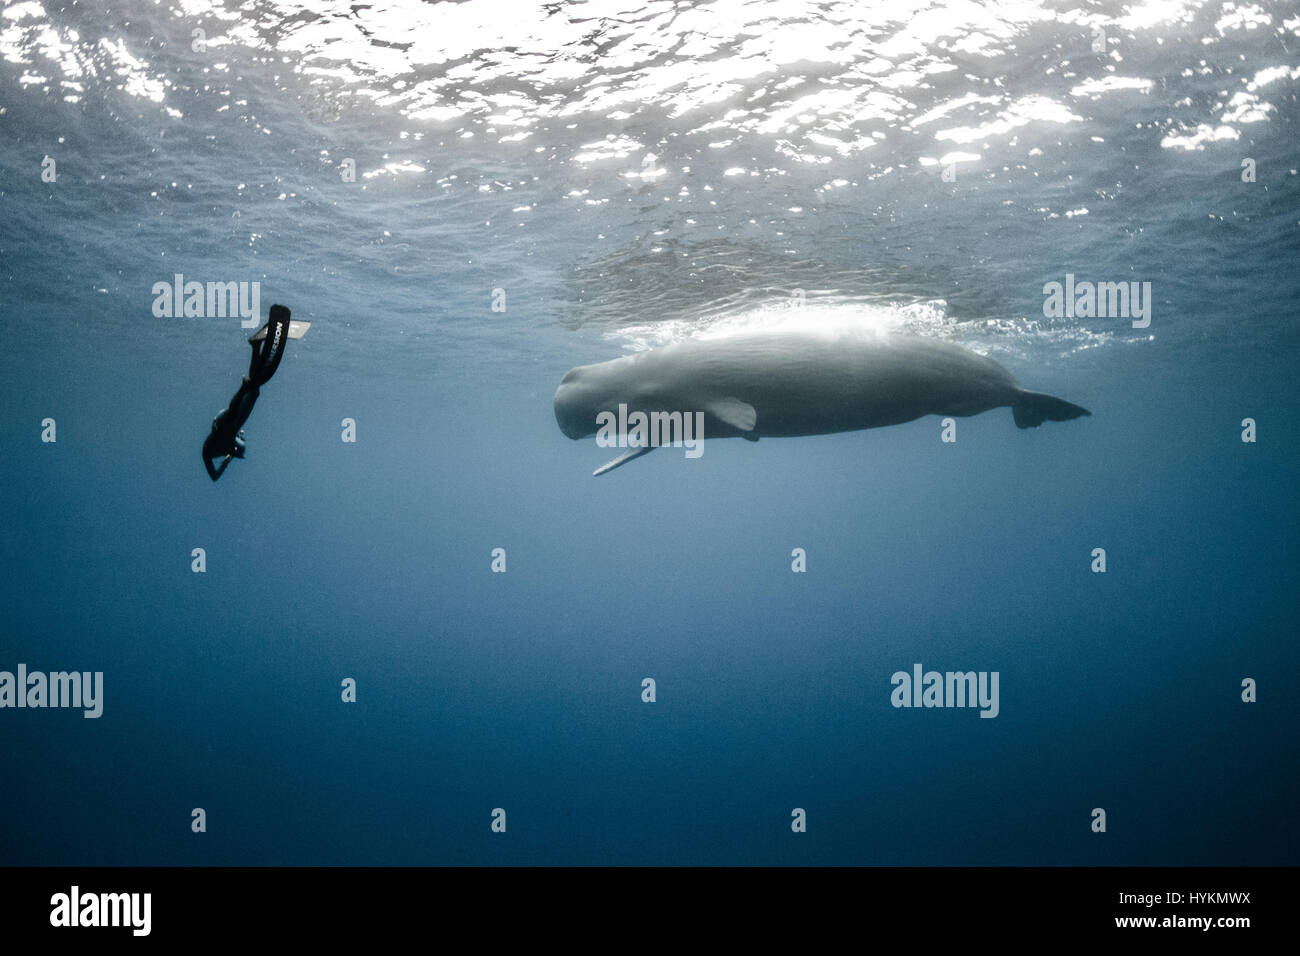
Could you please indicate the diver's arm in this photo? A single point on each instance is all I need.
(214, 471)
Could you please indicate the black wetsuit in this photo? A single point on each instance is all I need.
(223, 441)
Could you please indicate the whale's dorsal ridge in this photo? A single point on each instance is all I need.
(739, 415)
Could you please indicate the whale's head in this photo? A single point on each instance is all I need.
(588, 390)
(576, 400)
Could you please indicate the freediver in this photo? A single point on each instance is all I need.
(226, 440)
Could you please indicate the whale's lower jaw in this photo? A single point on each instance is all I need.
(623, 459)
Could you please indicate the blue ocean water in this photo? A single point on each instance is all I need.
(621, 177)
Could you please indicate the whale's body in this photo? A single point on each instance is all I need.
(789, 383)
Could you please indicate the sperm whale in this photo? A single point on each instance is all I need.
(796, 382)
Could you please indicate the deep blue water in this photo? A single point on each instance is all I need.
(631, 178)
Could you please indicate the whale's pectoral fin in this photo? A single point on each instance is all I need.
(1031, 409)
(739, 415)
(622, 459)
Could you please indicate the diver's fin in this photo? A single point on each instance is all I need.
(269, 349)
(622, 459)
(739, 415)
(1031, 409)
(296, 330)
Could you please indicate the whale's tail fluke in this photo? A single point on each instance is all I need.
(1031, 409)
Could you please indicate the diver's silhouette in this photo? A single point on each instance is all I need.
(226, 440)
